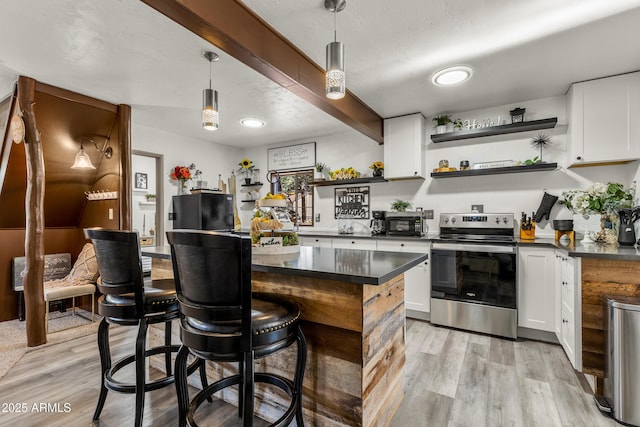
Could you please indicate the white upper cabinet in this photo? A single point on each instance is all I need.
(604, 120)
(404, 147)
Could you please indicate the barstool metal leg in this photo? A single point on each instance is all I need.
(299, 375)
(248, 390)
(182, 390)
(141, 377)
(105, 365)
(167, 343)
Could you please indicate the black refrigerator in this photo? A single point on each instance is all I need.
(203, 211)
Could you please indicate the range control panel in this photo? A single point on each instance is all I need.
(473, 220)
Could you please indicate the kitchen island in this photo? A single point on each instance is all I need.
(352, 305)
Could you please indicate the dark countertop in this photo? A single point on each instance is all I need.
(348, 265)
(588, 250)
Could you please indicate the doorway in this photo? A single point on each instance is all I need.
(147, 197)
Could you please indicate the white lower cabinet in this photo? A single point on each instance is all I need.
(569, 333)
(320, 242)
(417, 280)
(536, 288)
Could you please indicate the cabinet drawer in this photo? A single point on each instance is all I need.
(321, 242)
(343, 243)
(403, 246)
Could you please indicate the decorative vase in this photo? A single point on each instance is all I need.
(609, 225)
(441, 129)
(182, 187)
(318, 176)
(247, 181)
(377, 172)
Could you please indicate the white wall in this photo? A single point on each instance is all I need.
(211, 158)
(499, 193)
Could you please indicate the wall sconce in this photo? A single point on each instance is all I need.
(83, 161)
(210, 116)
(335, 77)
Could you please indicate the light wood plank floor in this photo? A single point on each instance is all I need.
(453, 378)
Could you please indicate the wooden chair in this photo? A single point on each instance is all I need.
(221, 321)
(128, 300)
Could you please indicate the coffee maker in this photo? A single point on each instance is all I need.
(627, 234)
(377, 223)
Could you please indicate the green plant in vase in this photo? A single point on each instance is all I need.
(441, 122)
(400, 205)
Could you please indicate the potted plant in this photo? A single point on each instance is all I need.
(246, 167)
(150, 197)
(320, 169)
(441, 122)
(457, 125)
(400, 205)
(377, 168)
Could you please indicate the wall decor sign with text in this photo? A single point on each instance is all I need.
(300, 156)
(352, 202)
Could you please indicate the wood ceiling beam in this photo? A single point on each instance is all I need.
(234, 28)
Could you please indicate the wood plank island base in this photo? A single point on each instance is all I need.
(352, 303)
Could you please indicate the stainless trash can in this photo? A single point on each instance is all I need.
(622, 361)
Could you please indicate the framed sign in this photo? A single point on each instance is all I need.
(300, 156)
(352, 202)
(140, 181)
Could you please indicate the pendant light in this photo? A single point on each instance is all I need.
(210, 116)
(82, 161)
(335, 77)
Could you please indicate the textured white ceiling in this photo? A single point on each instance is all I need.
(123, 51)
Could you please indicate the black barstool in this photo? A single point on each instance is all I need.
(127, 300)
(221, 321)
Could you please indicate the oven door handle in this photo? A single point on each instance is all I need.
(502, 249)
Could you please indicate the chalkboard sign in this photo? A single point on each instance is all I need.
(56, 266)
(301, 156)
(352, 202)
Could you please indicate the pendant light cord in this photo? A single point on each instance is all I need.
(335, 24)
(210, 74)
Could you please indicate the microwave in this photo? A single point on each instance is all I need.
(404, 223)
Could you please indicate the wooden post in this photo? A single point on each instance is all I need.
(34, 211)
(124, 136)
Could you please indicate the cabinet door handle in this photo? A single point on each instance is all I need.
(565, 321)
(579, 158)
(402, 244)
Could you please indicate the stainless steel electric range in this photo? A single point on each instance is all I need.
(473, 273)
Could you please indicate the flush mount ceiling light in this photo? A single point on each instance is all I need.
(252, 123)
(210, 116)
(452, 75)
(83, 161)
(335, 77)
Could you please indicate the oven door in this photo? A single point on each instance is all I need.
(476, 273)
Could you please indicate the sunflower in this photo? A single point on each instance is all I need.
(245, 165)
(377, 165)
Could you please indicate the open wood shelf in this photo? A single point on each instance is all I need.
(253, 184)
(322, 183)
(495, 130)
(497, 171)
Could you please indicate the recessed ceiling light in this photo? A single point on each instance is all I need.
(252, 123)
(452, 75)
